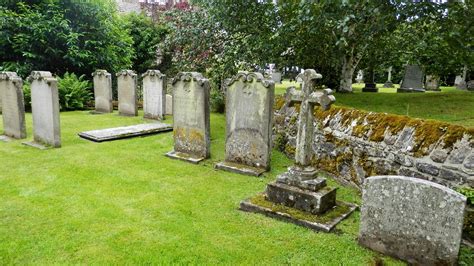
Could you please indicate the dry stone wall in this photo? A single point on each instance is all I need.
(354, 145)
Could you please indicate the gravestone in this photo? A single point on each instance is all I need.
(412, 219)
(389, 83)
(154, 94)
(190, 117)
(432, 83)
(169, 104)
(360, 76)
(45, 110)
(301, 188)
(103, 91)
(412, 80)
(470, 85)
(370, 87)
(117, 133)
(249, 103)
(11, 95)
(458, 80)
(276, 77)
(127, 93)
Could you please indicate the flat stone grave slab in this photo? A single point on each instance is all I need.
(322, 222)
(110, 134)
(240, 168)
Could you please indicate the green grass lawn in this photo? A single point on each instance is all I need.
(450, 105)
(125, 202)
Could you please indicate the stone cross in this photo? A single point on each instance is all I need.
(308, 98)
(389, 70)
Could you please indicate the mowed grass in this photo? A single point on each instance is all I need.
(449, 105)
(124, 202)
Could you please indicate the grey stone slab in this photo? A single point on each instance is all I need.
(432, 83)
(36, 145)
(191, 128)
(11, 89)
(249, 113)
(412, 219)
(327, 227)
(110, 134)
(45, 109)
(103, 92)
(185, 157)
(154, 95)
(240, 169)
(412, 80)
(4, 138)
(127, 93)
(169, 104)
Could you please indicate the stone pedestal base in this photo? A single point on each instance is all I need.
(323, 222)
(185, 157)
(370, 87)
(240, 169)
(402, 90)
(37, 145)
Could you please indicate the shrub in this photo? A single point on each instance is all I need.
(469, 193)
(74, 92)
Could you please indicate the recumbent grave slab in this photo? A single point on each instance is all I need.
(191, 128)
(301, 189)
(11, 91)
(103, 92)
(412, 219)
(154, 95)
(117, 133)
(45, 109)
(249, 112)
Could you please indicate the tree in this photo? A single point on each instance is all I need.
(61, 36)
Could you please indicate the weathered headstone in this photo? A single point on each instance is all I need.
(276, 77)
(432, 83)
(389, 83)
(190, 117)
(458, 80)
(45, 109)
(154, 94)
(412, 219)
(412, 80)
(360, 76)
(370, 87)
(11, 93)
(103, 91)
(249, 104)
(169, 104)
(470, 85)
(300, 188)
(127, 93)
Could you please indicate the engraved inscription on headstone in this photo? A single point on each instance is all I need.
(190, 117)
(154, 94)
(45, 109)
(11, 91)
(127, 93)
(103, 91)
(249, 124)
(412, 219)
(412, 80)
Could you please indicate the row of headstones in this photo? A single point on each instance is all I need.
(154, 93)
(412, 81)
(44, 105)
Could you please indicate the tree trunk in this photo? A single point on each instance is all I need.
(347, 73)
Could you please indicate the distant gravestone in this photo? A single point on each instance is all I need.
(412, 219)
(190, 117)
(127, 93)
(276, 77)
(45, 109)
(249, 124)
(470, 85)
(169, 104)
(154, 94)
(458, 80)
(432, 83)
(360, 76)
(389, 83)
(370, 87)
(412, 80)
(103, 91)
(11, 93)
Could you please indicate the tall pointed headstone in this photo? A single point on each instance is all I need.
(11, 95)
(249, 112)
(191, 128)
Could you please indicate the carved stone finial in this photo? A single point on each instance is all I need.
(130, 73)
(39, 75)
(188, 76)
(6, 75)
(153, 73)
(101, 72)
(250, 77)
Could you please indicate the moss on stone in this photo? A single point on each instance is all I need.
(279, 102)
(326, 217)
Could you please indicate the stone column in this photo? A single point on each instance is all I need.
(11, 94)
